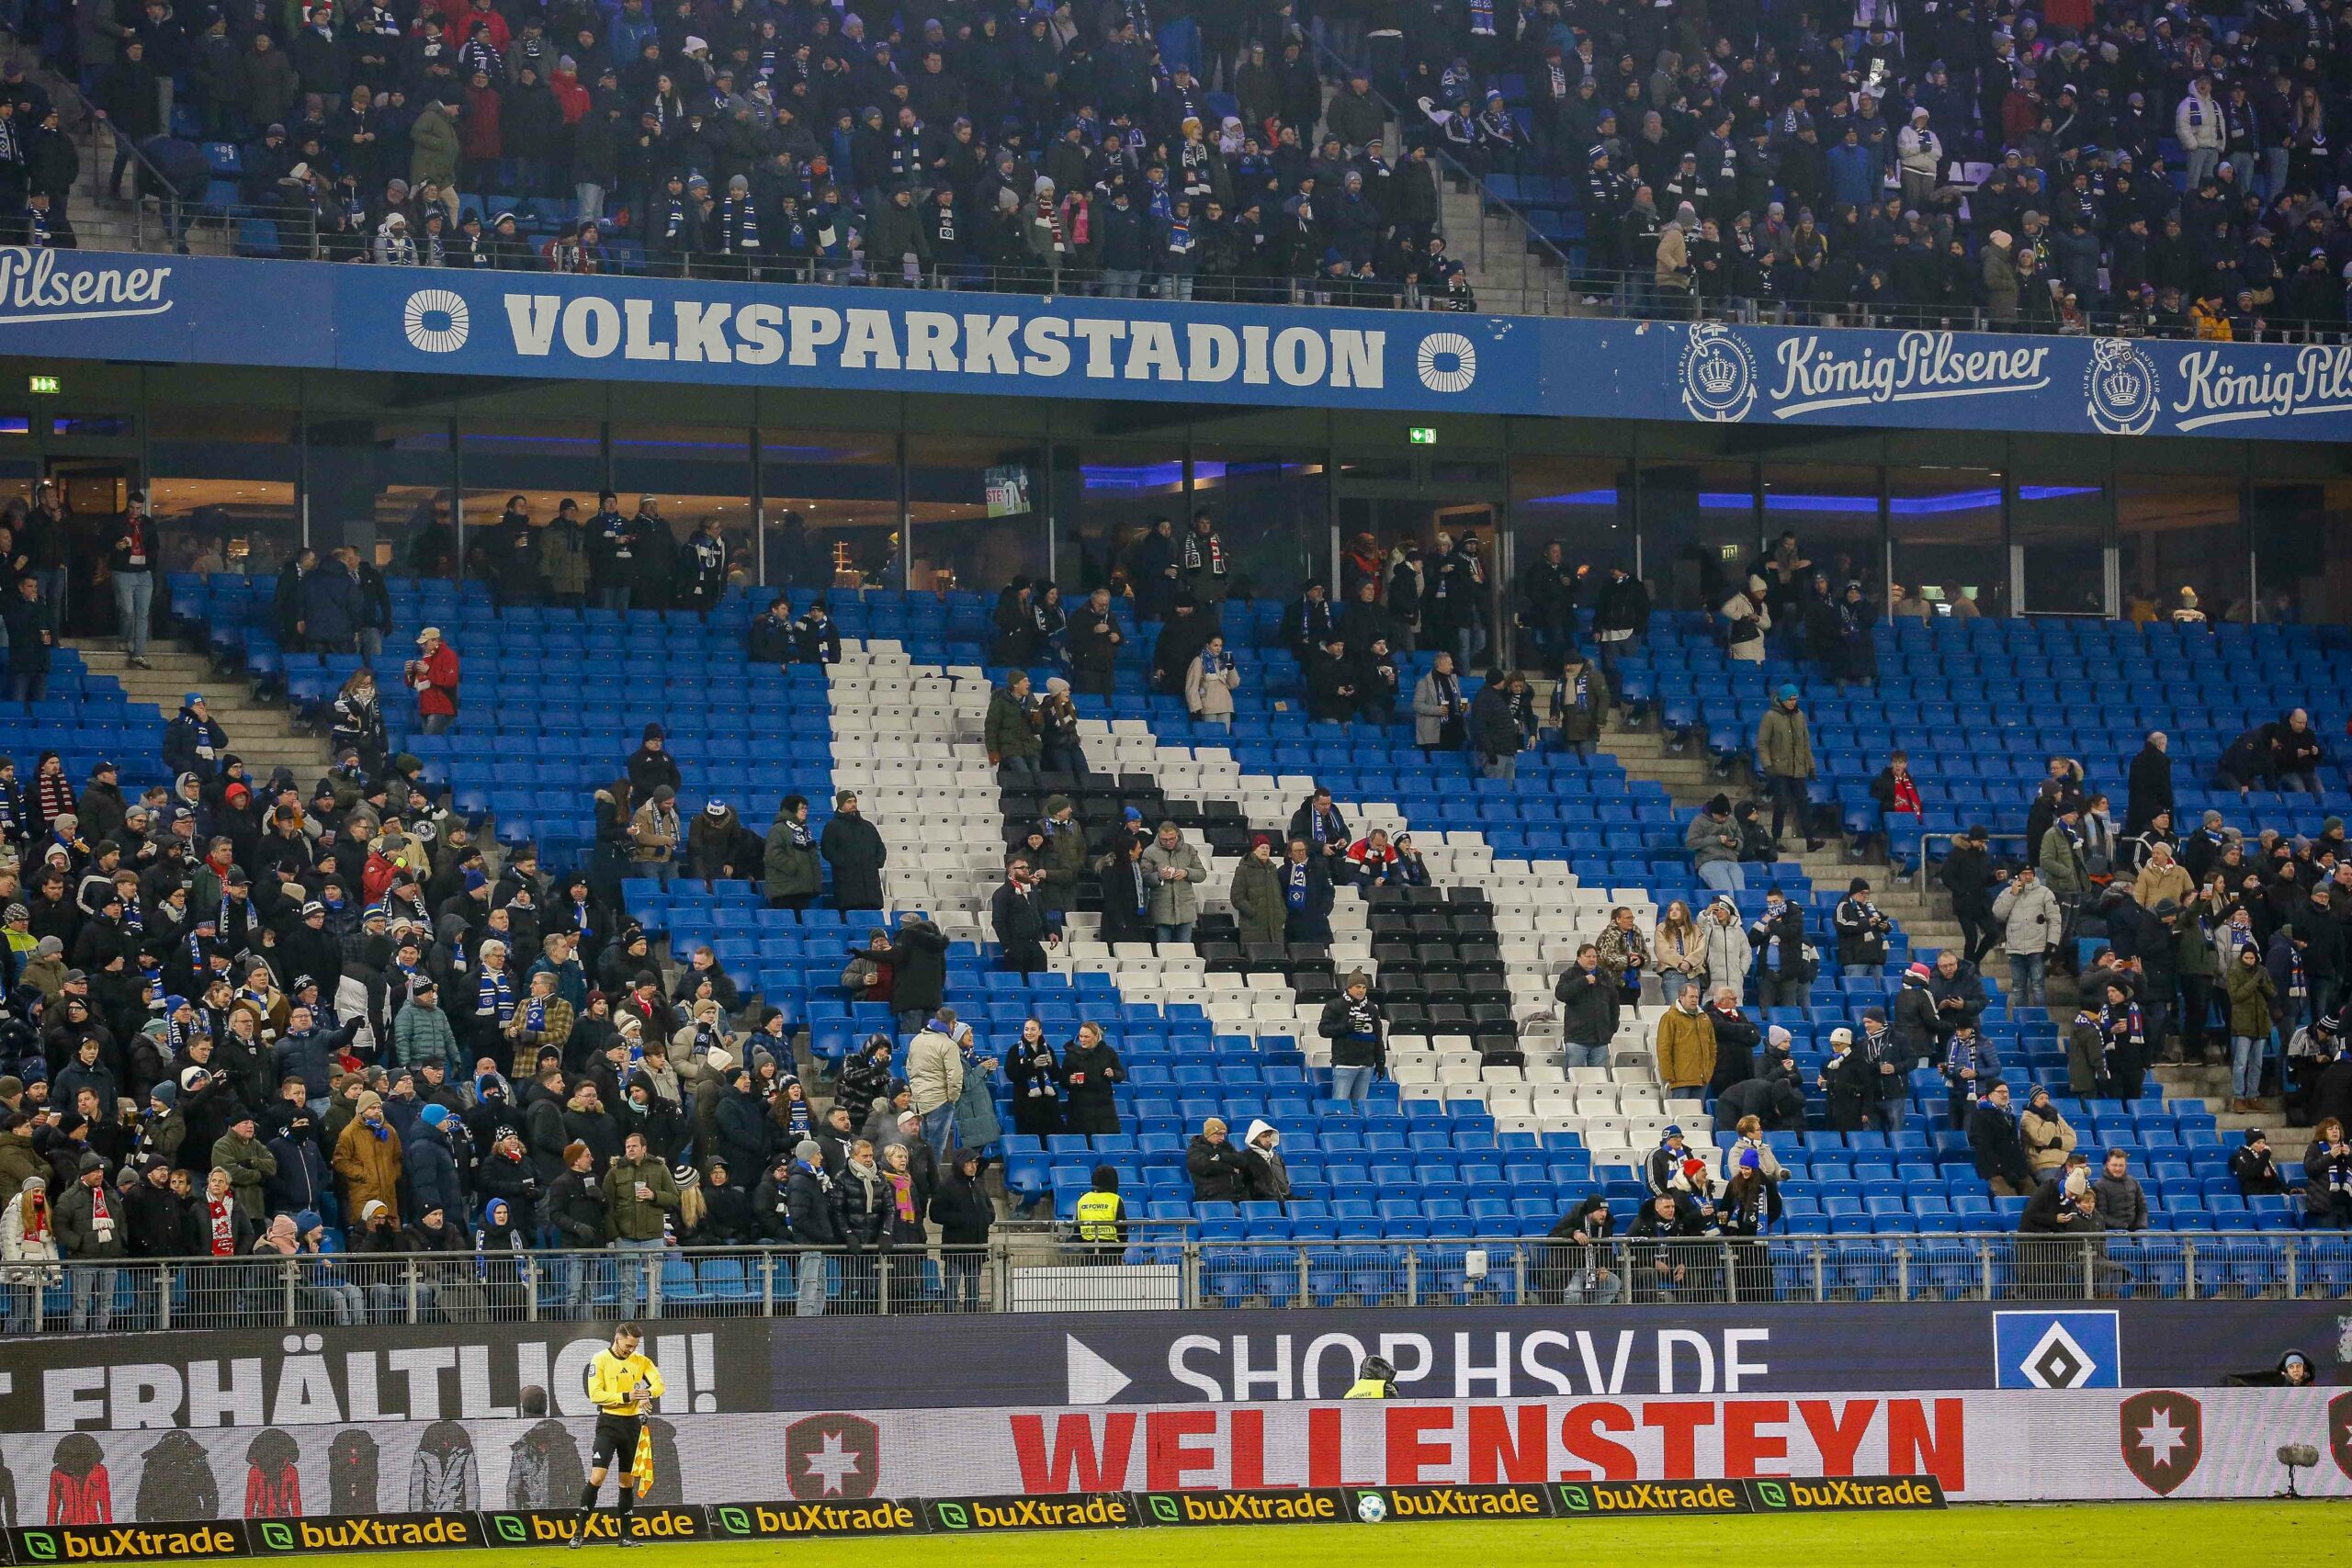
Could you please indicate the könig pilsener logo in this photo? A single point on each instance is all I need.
(1718, 375)
(2119, 387)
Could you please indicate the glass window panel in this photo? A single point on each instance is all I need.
(224, 487)
(699, 476)
(1107, 497)
(1698, 531)
(2059, 526)
(537, 465)
(2303, 546)
(1583, 505)
(1272, 512)
(831, 502)
(1830, 512)
(1945, 528)
(979, 511)
(384, 485)
(2181, 531)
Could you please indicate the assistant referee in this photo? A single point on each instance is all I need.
(621, 1384)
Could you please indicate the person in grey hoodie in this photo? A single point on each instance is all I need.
(1262, 1164)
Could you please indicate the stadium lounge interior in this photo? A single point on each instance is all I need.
(244, 465)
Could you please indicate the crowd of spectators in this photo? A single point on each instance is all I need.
(243, 1019)
(2057, 168)
(786, 139)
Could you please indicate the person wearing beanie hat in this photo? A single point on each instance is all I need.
(815, 1212)
(1356, 1027)
(2253, 1167)
(1849, 1081)
(367, 1158)
(1784, 756)
(1862, 932)
(655, 832)
(652, 765)
(1713, 841)
(720, 846)
(853, 847)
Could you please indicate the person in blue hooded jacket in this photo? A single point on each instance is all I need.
(194, 742)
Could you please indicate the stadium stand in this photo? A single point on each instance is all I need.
(1478, 1125)
(2159, 173)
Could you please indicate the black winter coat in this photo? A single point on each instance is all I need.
(1217, 1171)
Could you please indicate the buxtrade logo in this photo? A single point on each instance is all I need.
(1718, 375)
(2164, 1438)
(750, 1521)
(127, 1543)
(2339, 1433)
(1102, 1510)
(1304, 1505)
(36, 286)
(436, 320)
(1621, 1497)
(1447, 362)
(1467, 1502)
(2120, 387)
(383, 1532)
(833, 1455)
(1852, 1494)
(552, 1526)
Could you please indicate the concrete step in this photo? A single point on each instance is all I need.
(265, 737)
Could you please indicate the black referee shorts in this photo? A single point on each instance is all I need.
(615, 1442)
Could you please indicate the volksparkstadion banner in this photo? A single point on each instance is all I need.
(221, 311)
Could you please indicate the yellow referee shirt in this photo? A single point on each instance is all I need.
(613, 1380)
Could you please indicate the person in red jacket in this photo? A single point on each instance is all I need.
(433, 676)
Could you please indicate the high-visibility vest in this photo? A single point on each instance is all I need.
(1098, 1216)
(1370, 1388)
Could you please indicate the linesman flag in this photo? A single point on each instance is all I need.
(640, 1468)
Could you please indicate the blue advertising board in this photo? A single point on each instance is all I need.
(220, 311)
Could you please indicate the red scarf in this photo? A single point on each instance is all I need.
(221, 1212)
(1907, 795)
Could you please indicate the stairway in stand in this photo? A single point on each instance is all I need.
(263, 737)
(1923, 911)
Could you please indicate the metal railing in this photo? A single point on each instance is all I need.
(1181, 1271)
(1919, 877)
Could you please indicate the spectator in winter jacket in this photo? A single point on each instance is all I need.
(1214, 1162)
(194, 742)
(249, 1163)
(1686, 1043)
(421, 1033)
(367, 1159)
(432, 1164)
(2000, 1155)
(2048, 1136)
(2122, 1203)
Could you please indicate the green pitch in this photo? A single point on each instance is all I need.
(2307, 1532)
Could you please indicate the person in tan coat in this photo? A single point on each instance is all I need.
(367, 1159)
(1686, 1043)
(2163, 877)
(2047, 1137)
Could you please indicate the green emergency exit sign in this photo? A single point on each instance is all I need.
(1422, 434)
(43, 386)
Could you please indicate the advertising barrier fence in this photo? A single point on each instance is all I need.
(1168, 1269)
(509, 1529)
(838, 1471)
(248, 1380)
(222, 310)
